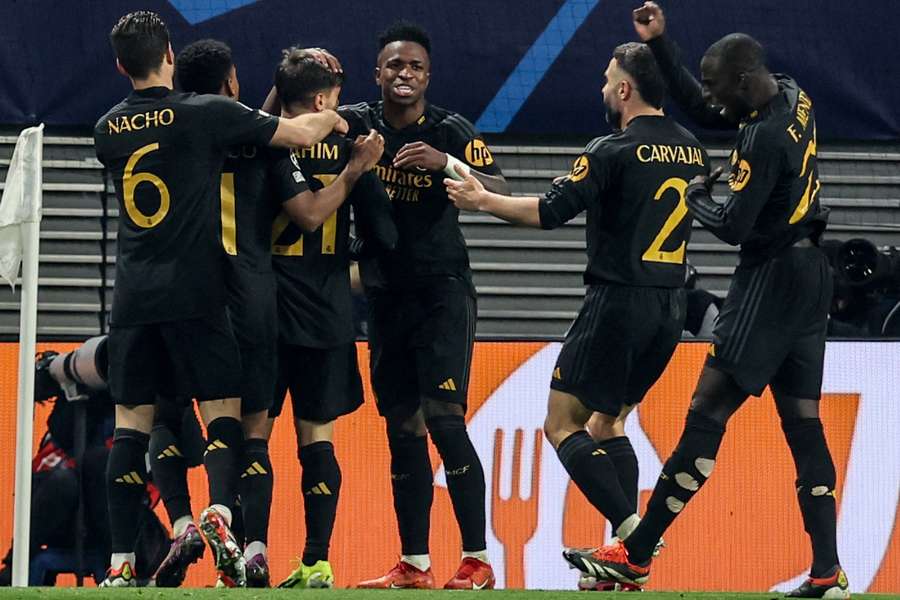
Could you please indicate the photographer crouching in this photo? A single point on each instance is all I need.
(73, 382)
(866, 300)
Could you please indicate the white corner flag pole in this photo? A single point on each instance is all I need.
(29, 169)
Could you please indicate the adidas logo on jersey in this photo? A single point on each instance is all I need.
(254, 469)
(132, 478)
(171, 452)
(448, 385)
(320, 489)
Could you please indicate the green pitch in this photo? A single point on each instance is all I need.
(209, 594)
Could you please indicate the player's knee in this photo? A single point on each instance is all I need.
(557, 429)
(257, 425)
(605, 427)
(711, 407)
(560, 423)
(133, 436)
(311, 432)
(438, 408)
(791, 408)
(400, 423)
(445, 430)
(169, 413)
(210, 410)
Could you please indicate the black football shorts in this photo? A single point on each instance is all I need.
(194, 358)
(421, 343)
(771, 329)
(253, 313)
(324, 382)
(619, 345)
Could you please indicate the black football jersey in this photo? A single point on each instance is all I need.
(164, 151)
(774, 180)
(312, 269)
(632, 185)
(255, 181)
(431, 241)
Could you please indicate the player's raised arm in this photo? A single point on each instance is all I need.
(310, 209)
(650, 24)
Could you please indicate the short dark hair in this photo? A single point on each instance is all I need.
(203, 66)
(299, 77)
(140, 40)
(637, 60)
(404, 31)
(739, 53)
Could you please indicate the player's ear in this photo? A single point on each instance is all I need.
(121, 69)
(319, 102)
(377, 76)
(170, 55)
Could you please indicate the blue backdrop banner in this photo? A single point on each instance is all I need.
(516, 66)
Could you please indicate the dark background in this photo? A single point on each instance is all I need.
(56, 64)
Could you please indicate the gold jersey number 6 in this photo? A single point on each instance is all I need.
(130, 182)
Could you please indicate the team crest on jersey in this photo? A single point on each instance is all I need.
(478, 155)
(580, 168)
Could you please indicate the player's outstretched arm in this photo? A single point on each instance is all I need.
(492, 183)
(308, 210)
(308, 129)
(470, 194)
(650, 24)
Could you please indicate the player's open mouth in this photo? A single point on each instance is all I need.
(403, 90)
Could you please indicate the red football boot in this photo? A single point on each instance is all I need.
(472, 574)
(403, 575)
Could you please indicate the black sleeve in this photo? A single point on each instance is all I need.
(373, 216)
(574, 193)
(285, 176)
(358, 118)
(466, 144)
(683, 87)
(230, 122)
(756, 167)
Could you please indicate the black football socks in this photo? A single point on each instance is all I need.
(321, 486)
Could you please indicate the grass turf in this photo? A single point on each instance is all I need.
(340, 594)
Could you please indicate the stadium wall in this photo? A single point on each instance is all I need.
(515, 66)
(745, 522)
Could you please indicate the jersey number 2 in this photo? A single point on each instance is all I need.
(329, 229)
(655, 253)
